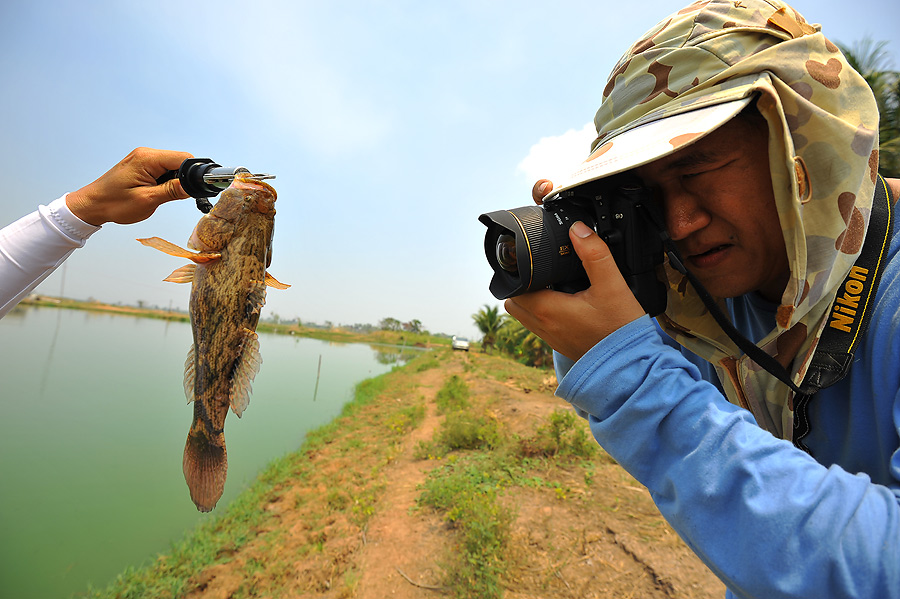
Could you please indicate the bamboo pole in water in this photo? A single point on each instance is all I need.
(318, 372)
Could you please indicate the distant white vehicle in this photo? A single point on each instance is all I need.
(460, 343)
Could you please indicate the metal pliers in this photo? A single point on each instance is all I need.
(201, 178)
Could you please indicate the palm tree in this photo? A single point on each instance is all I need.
(873, 62)
(489, 321)
(523, 345)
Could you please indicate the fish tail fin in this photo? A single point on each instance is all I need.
(205, 465)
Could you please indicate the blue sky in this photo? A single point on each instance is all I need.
(390, 126)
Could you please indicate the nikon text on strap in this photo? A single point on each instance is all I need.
(850, 312)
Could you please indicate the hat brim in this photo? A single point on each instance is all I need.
(651, 141)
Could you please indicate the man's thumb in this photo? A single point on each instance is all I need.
(601, 268)
(593, 252)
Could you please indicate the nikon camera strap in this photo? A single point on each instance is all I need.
(848, 318)
(850, 312)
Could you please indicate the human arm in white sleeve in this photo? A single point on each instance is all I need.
(34, 246)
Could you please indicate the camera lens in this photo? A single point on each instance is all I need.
(506, 253)
(529, 248)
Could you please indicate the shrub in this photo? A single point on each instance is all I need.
(464, 430)
(466, 492)
(453, 396)
(564, 433)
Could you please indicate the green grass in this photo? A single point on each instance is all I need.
(464, 426)
(453, 396)
(564, 434)
(408, 418)
(469, 430)
(466, 491)
(426, 364)
(480, 466)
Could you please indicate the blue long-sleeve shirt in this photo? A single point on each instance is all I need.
(767, 518)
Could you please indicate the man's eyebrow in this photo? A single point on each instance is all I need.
(693, 159)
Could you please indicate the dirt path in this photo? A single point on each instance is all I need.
(346, 524)
(400, 547)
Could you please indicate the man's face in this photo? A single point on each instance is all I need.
(720, 210)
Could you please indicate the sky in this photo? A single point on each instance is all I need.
(390, 126)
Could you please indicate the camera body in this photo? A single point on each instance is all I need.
(529, 247)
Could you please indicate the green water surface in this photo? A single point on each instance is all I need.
(92, 431)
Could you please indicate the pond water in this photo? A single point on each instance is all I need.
(92, 431)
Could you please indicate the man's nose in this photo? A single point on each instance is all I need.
(684, 214)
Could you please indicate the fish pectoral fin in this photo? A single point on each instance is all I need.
(170, 248)
(273, 282)
(245, 371)
(167, 247)
(185, 274)
(189, 375)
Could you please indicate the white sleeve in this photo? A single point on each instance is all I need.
(34, 246)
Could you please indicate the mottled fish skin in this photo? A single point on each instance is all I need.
(229, 281)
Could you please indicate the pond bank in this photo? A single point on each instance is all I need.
(334, 334)
(358, 512)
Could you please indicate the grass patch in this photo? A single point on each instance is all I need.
(505, 368)
(426, 364)
(466, 491)
(481, 465)
(460, 431)
(453, 396)
(464, 427)
(564, 434)
(467, 430)
(408, 418)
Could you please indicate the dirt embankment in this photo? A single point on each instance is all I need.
(349, 522)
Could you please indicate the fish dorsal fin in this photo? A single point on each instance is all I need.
(170, 248)
(245, 371)
(273, 282)
(189, 375)
(185, 274)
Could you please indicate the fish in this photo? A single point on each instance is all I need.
(228, 276)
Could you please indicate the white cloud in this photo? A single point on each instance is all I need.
(556, 157)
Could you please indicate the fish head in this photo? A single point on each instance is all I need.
(244, 200)
(258, 196)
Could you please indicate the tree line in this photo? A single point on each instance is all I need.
(505, 334)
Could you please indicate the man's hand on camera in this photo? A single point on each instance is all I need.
(573, 323)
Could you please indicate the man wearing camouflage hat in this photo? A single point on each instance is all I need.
(769, 439)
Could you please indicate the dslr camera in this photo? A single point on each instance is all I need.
(529, 248)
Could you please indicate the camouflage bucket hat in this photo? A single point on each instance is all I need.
(693, 72)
